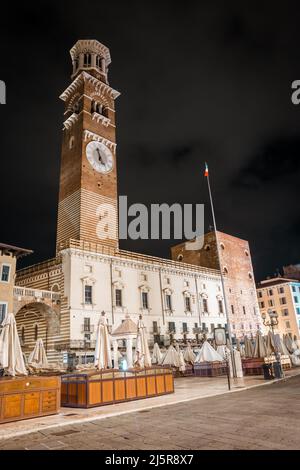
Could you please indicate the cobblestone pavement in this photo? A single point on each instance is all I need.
(261, 418)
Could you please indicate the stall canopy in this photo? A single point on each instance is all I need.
(208, 354)
(189, 355)
(171, 358)
(38, 358)
(156, 355)
(11, 357)
(142, 353)
(103, 347)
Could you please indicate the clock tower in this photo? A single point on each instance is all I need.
(88, 200)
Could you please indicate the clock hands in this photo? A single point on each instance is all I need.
(99, 155)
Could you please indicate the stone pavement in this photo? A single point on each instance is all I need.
(257, 418)
(186, 389)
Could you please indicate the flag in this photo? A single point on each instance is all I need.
(206, 170)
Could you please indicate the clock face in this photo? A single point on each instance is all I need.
(100, 157)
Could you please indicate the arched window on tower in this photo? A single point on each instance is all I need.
(87, 60)
(99, 62)
(97, 107)
(76, 108)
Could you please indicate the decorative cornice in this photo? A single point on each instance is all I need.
(91, 135)
(68, 123)
(100, 87)
(98, 117)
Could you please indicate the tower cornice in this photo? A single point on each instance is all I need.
(86, 77)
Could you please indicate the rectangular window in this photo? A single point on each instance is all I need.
(87, 324)
(221, 310)
(287, 324)
(203, 326)
(270, 292)
(296, 300)
(5, 273)
(205, 306)
(155, 327)
(271, 303)
(282, 301)
(212, 327)
(145, 300)
(232, 309)
(196, 325)
(88, 295)
(172, 328)
(294, 288)
(187, 304)
(219, 325)
(184, 327)
(168, 302)
(285, 312)
(244, 310)
(118, 297)
(281, 290)
(262, 304)
(298, 310)
(3, 308)
(260, 294)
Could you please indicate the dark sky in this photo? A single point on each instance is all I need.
(199, 80)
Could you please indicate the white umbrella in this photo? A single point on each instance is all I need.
(142, 353)
(38, 358)
(248, 347)
(208, 354)
(156, 355)
(11, 357)
(103, 347)
(181, 358)
(171, 358)
(259, 348)
(189, 355)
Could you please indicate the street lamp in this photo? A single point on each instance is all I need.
(271, 323)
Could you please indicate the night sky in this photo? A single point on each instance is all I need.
(200, 81)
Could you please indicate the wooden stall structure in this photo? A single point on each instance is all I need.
(28, 397)
(97, 388)
(253, 366)
(210, 369)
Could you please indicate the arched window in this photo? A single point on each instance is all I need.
(71, 142)
(87, 60)
(225, 270)
(36, 332)
(180, 257)
(76, 108)
(222, 246)
(99, 62)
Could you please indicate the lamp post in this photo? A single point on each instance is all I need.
(271, 323)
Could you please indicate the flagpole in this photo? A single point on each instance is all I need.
(221, 269)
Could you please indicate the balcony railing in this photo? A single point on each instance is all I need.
(87, 328)
(82, 344)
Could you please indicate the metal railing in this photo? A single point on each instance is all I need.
(87, 328)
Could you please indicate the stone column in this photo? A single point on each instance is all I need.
(129, 353)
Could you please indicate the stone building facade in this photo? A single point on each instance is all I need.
(90, 274)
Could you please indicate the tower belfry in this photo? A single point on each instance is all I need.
(88, 208)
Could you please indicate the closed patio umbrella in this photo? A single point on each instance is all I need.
(11, 357)
(38, 358)
(181, 358)
(248, 347)
(189, 355)
(259, 347)
(142, 353)
(103, 347)
(288, 343)
(270, 344)
(156, 355)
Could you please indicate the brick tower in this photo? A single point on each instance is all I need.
(88, 209)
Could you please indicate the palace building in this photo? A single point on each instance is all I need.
(90, 273)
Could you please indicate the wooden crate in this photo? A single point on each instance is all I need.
(28, 397)
(97, 388)
(210, 369)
